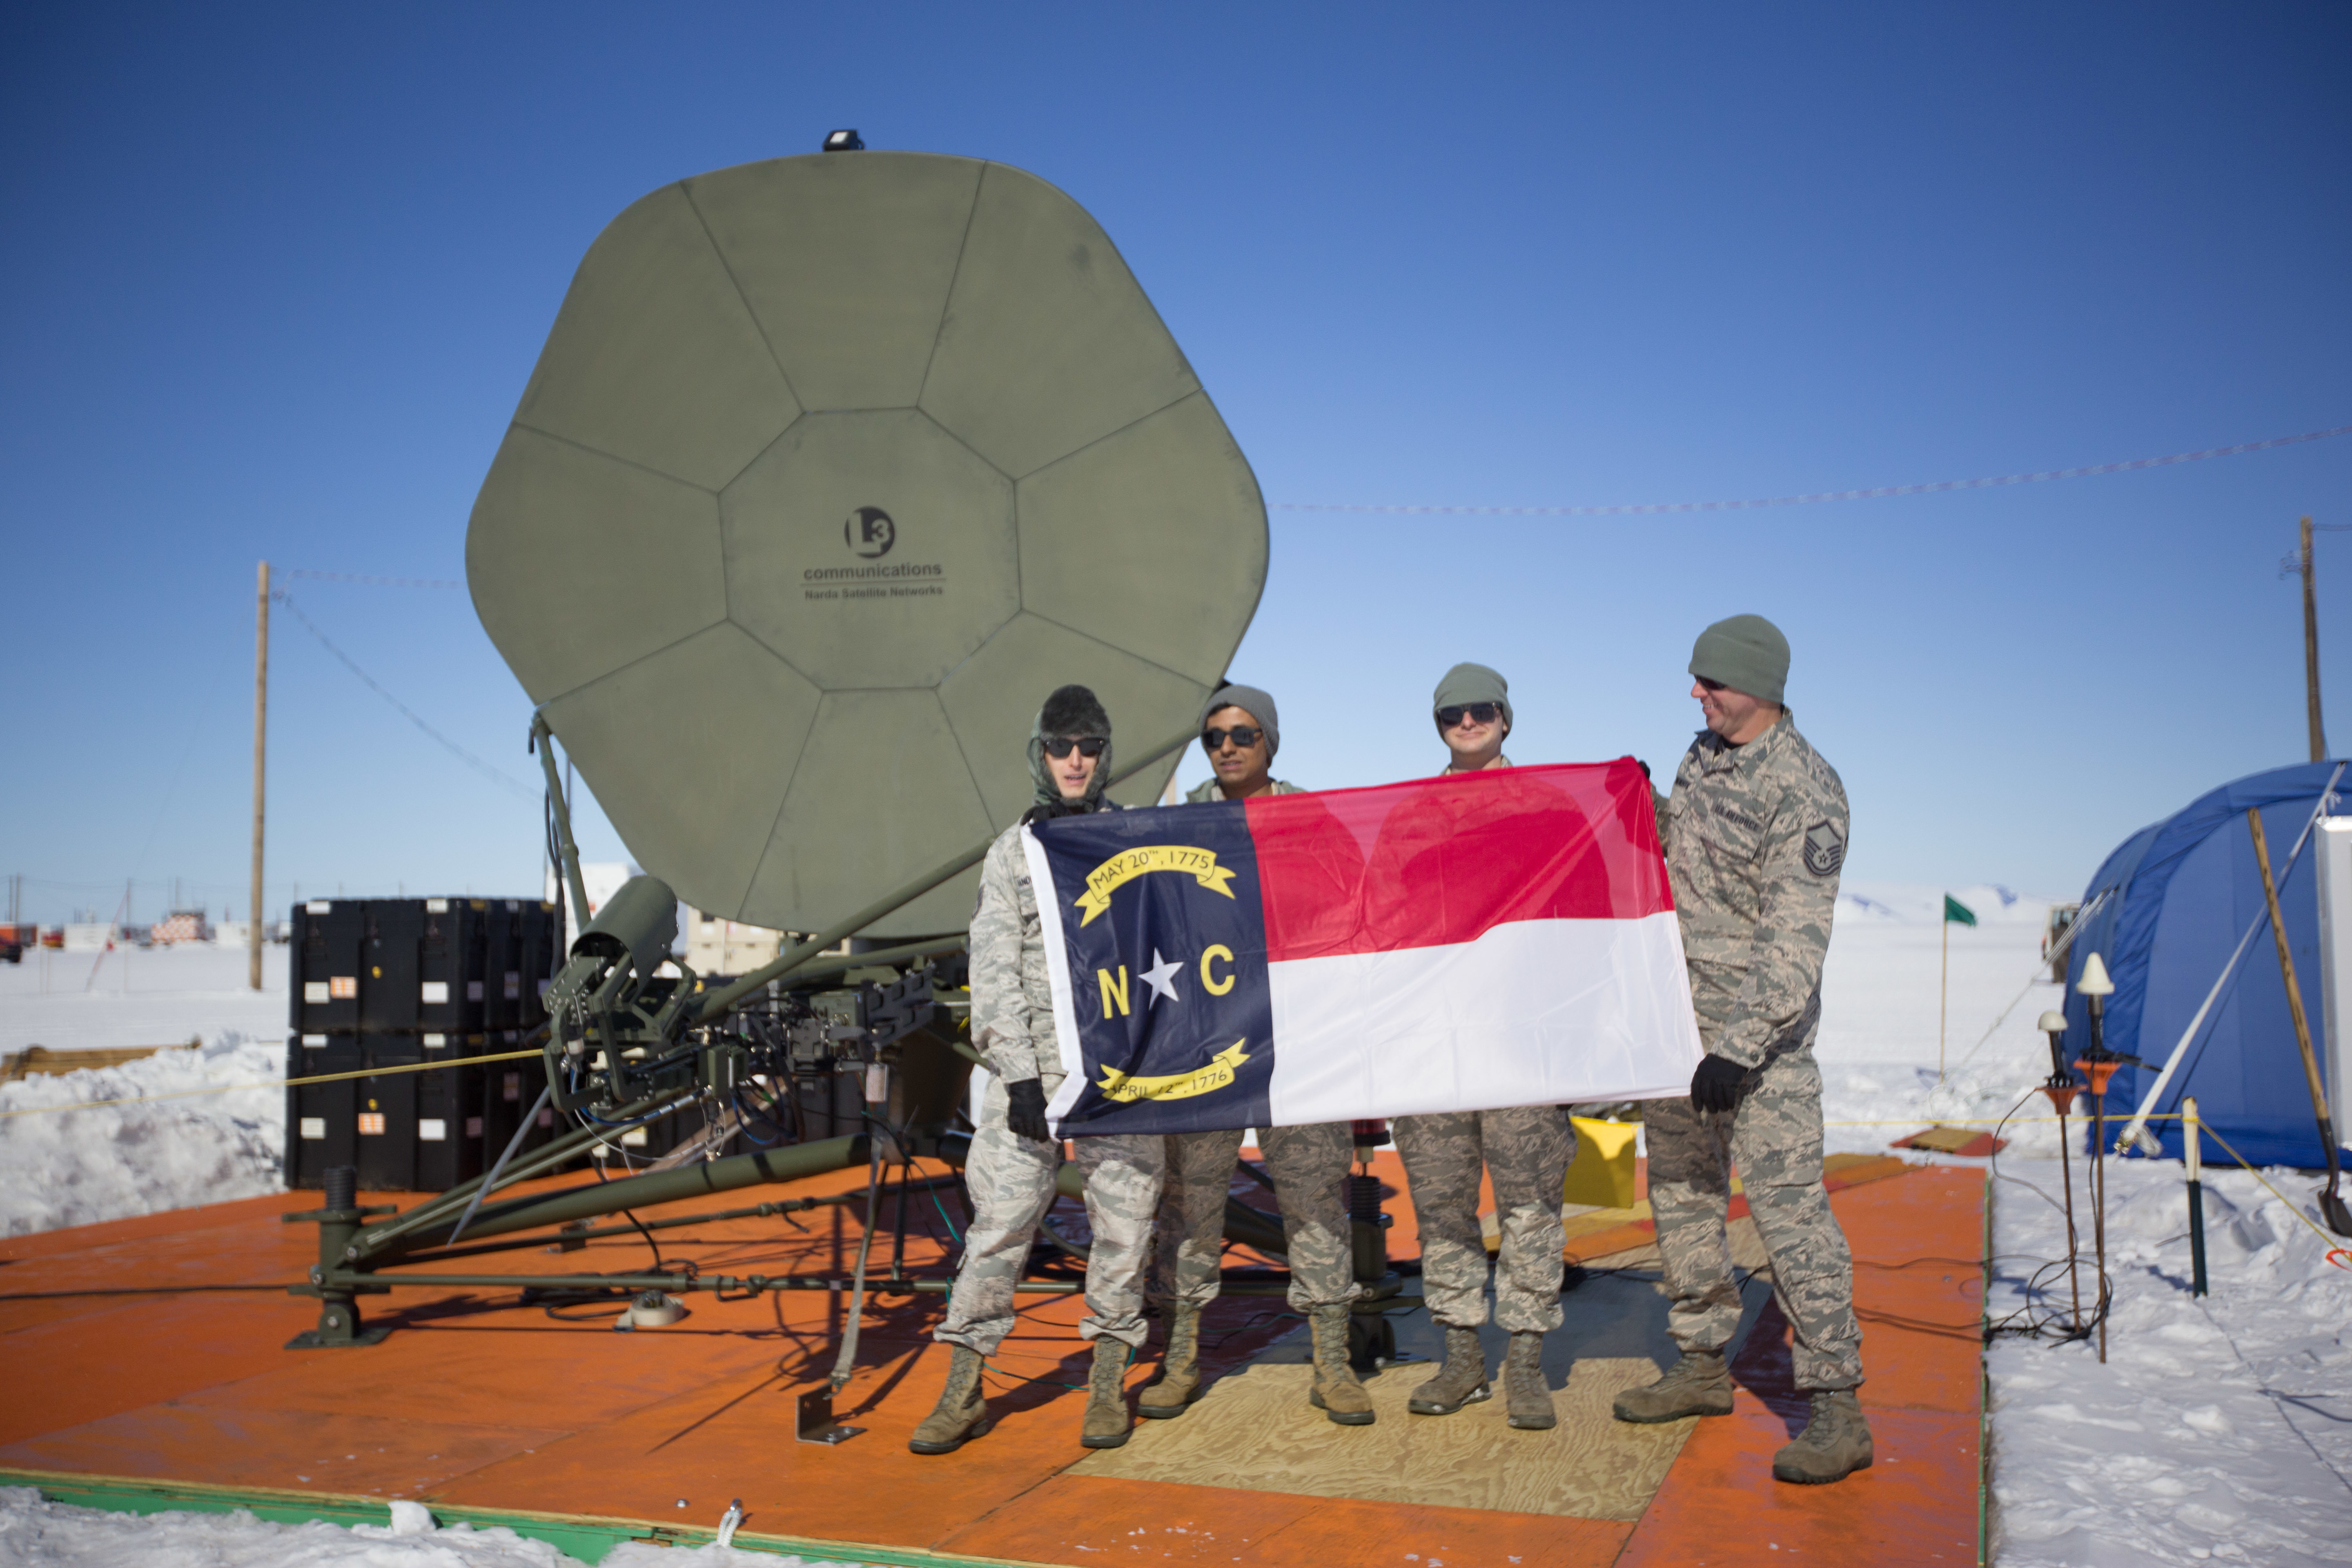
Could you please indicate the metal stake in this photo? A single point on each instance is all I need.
(2196, 1196)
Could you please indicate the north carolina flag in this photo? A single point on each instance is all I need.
(1466, 943)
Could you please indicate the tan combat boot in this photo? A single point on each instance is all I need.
(1179, 1369)
(1336, 1391)
(1529, 1396)
(961, 1412)
(1461, 1381)
(1107, 1422)
(1699, 1385)
(1834, 1444)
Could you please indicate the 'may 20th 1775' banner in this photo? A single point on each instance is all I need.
(1466, 943)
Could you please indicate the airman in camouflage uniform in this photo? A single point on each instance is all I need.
(1010, 1170)
(1305, 1163)
(1755, 836)
(1525, 1149)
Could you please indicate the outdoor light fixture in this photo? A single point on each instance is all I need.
(843, 142)
(2053, 1023)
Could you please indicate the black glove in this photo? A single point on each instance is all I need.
(1027, 1113)
(1717, 1084)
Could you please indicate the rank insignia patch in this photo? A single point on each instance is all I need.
(1824, 849)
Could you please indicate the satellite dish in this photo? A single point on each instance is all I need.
(832, 467)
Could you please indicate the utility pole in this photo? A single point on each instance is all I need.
(260, 751)
(2311, 652)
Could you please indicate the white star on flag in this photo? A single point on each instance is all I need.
(1161, 977)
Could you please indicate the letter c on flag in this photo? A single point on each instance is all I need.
(1210, 982)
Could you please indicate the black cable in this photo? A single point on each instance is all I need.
(2031, 1320)
(633, 1219)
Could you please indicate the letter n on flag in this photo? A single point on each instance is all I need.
(1467, 943)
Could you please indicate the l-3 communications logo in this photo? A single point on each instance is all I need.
(870, 533)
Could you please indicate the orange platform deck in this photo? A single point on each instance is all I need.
(490, 1410)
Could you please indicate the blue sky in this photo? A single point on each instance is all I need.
(273, 279)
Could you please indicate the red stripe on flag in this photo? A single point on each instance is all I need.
(1443, 860)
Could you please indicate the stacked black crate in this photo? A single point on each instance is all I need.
(324, 991)
(454, 1008)
(391, 1015)
(411, 982)
(523, 948)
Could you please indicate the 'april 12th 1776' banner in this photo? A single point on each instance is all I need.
(1467, 943)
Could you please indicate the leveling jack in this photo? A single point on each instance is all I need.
(338, 1313)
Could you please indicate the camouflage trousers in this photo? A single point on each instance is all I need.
(1012, 1183)
(1306, 1165)
(1775, 1140)
(1527, 1150)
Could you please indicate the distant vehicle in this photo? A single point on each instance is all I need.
(12, 953)
(2061, 921)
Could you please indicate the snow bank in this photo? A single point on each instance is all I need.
(33, 1531)
(76, 1167)
(2218, 1430)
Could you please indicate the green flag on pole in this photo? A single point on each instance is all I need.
(1954, 911)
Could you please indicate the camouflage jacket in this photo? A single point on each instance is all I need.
(1012, 996)
(1206, 791)
(1755, 836)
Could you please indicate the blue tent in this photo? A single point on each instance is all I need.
(2179, 897)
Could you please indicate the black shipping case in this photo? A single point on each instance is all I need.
(392, 932)
(452, 993)
(502, 926)
(321, 1123)
(541, 941)
(450, 1127)
(386, 1114)
(324, 959)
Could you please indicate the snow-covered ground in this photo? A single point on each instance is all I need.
(2220, 1429)
(33, 1531)
(75, 1167)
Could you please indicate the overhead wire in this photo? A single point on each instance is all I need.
(487, 770)
(1879, 492)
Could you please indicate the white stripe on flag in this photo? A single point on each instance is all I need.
(1058, 969)
(1532, 1013)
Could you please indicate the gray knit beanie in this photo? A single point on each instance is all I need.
(1746, 653)
(1468, 683)
(1255, 702)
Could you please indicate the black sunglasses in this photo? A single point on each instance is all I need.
(1706, 685)
(1059, 746)
(1241, 735)
(1478, 713)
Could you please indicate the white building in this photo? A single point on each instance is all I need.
(715, 946)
